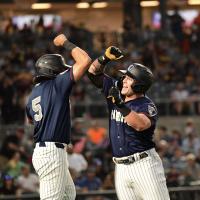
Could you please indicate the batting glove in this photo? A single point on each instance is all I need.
(115, 95)
(111, 53)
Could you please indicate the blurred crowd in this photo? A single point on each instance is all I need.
(172, 54)
(174, 57)
(90, 158)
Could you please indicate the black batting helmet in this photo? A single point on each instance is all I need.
(143, 76)
(49, 66)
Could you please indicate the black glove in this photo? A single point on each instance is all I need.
(111, 53)
(119, 82)
(115, 94)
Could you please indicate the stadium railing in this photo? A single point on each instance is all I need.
(176, 193)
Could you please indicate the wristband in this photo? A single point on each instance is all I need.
(103, 60)
(124, 110)
(69, 45)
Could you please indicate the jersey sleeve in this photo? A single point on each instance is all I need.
(108, 82)
(150, 110)
(27, 110)
(64, 81)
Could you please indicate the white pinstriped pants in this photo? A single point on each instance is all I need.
(51, 165)
(142, 180)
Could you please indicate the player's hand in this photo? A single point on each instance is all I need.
(113, 53)
(115, 95)
(59, 40)
(119, 83)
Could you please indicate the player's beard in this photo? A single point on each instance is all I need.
(127, 91)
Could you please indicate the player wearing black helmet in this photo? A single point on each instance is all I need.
(142, 75)
(139, 172)
(48, 109)
(49, 66)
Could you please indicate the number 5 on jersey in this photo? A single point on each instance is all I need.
(37, 108)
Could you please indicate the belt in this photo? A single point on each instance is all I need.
(130, 159)
(57, 144)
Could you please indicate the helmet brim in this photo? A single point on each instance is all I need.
(126, 72)
(123, 71)
(68, 66)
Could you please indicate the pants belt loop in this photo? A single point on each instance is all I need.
(57, 144)
(42, 144)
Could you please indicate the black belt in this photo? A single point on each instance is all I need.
(57, 144)
(130, 159)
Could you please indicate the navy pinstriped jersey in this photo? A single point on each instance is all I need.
(49, 108)
(125, 140)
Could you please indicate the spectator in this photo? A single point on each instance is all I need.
(27, 182)
(96, 135)
(108, 183)
(77, 162)
(191, 144)
(178, 160)
(192, 169)
(12, 143)
(179, 98)
(8, 187)
(14, 165)
(176, 22)
(197, 20)
(89, 182)
(7, 105)
(189, 127)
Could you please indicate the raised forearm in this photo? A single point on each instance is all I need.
(96, 67)
(82, 60)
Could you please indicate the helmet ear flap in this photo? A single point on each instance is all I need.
(138, 88)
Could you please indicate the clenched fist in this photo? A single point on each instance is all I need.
(115, 95)
(59, 40)
(113, 53)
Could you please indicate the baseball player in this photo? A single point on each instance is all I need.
(49, 110)
(139, 173)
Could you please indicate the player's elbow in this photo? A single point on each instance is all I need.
(141, 126)
(139, 129)
(86, 61)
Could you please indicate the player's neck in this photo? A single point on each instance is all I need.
(132, 97)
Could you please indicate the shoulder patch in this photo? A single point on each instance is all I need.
(152, 110)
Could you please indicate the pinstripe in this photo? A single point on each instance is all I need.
(150, 180)
(133, 171)
(153, 180)
(146, 177)
(157, 175)
(122, 186)
(137, 177)
(159, 180)
(152, 174)
(160, 176)
(131, 188)
(122, 182)
(50, 164)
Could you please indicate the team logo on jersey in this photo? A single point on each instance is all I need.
(117, 116)
(152, 110)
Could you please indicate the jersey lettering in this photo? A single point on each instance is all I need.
(37, 108)
(117, 116)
